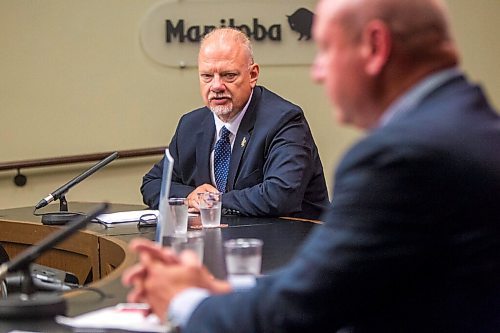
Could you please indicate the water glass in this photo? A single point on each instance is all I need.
(192, 240)
(210, 209)
(243, 256)
(179, 214)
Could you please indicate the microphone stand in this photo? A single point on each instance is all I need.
(60, 217)
(63, 204)
(29, 303)
(63, 216)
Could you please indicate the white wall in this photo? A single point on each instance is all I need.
(75, 80)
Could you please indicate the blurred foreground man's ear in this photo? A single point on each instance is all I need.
(376, 45)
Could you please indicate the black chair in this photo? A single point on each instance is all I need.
(4, 257)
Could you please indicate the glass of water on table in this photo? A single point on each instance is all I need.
(192, 240)
(210, 209)
(243, 258)
(179, 214)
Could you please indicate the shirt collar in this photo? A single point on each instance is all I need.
(234, 124)
(415, 95)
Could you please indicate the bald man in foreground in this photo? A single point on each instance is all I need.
(411, 242)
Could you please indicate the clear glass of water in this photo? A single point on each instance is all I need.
(243, 256)
(192, 240)
(179, 214)
(210, 209)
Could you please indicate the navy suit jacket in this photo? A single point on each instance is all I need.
(411, 242)
(275, 169)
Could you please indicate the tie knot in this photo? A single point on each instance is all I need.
(224, 133)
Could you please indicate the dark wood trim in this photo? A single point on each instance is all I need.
(43, 162)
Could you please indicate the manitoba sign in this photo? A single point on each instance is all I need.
(280, 31)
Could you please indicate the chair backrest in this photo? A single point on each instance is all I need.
(4, 257)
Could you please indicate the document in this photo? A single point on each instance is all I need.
(128, 216)
(149, 216)
(123, 316)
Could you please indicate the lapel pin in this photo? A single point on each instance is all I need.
(243, 142)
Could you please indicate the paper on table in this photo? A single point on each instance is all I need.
(126, 316)
(125, 217)
(129, 216)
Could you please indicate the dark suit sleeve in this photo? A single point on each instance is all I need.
(287, 170)
(151, 185)
(151, 182)
(376, 235)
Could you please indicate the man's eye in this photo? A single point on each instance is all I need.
(230, 76)
(206, 77)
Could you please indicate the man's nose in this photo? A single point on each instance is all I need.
(217, 83)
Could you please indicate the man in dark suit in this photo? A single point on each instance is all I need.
(411, 242)
(274, 168)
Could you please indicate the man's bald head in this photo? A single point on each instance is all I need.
(370, 52)
(419, 28)
(228, 38)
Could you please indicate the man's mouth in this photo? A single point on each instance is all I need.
(220, 99)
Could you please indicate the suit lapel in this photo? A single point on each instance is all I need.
(204, 140)
(242, 138)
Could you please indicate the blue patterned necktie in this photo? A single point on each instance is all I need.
(222, 156)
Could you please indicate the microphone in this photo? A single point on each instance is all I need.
(29, 304)
(61, 191)
(63, 215)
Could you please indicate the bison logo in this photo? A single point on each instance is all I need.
(301, 22)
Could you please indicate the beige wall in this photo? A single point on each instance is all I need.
(75, 80)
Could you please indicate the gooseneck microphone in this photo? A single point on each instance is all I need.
(31, 304)
(61, 191)
(63, 215)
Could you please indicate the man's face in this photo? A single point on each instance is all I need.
(226, 78)
(337, 64)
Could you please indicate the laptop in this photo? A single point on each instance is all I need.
(163, 228)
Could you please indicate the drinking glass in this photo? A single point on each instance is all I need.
(210, 209)
(179, 214)
(243, 256)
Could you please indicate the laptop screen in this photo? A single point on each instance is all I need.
(162, 227)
